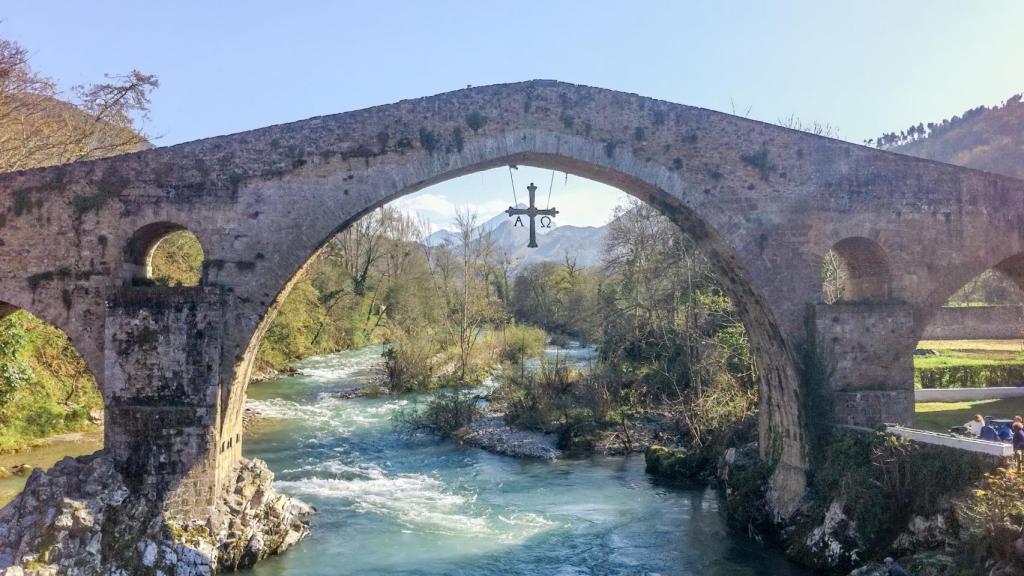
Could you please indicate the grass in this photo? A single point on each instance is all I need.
(941, 416)
(1010, 345)
(970, 353)
(945, 359)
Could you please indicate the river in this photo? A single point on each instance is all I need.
(45, 455)
(391, 504)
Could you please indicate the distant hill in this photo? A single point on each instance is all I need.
(990, 139)
(581, 243)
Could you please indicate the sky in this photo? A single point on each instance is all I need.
(865, 67)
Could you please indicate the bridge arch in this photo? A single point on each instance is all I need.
(861, 272)
(780, 421)
(137, 264)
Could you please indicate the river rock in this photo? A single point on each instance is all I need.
(81, 519)
(21, 469)
(923, 533)
(491, 433)
(833, 545)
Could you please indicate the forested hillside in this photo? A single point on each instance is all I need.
(985, 138)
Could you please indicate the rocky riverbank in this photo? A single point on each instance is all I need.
(80, 518)
(491, 433)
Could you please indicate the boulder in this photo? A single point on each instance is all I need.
(80, 518)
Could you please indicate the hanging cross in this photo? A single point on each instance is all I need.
(532, 211)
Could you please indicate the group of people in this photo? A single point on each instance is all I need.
(1014, 433)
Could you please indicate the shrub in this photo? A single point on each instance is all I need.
(715, 413)
(45, 386)
(884, 480)
(991, 519)
(969, 376)
(408, 363)
(444, 413)
(536, 399)
(516, 342)
(673, 463)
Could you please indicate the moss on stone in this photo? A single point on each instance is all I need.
(428, 139)
(674, 464)
(475, 120)
(22, 202)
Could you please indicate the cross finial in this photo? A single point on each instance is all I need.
(532, 212)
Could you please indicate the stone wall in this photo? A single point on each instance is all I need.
(976, 323)
(870, 351)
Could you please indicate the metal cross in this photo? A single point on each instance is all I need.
(532, 211)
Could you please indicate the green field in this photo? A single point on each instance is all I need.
(968, 353)
(969, 363)
(941, 416)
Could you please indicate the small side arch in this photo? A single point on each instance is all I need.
(856, 269)
(163, 253)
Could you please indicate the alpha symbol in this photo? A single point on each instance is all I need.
(532, 212)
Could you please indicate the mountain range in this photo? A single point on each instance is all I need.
(580, 243)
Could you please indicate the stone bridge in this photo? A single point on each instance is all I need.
(764, 202)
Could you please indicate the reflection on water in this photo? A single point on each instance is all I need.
(390, 504)
(44, 457)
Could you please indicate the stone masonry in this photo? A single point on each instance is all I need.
(764, 202)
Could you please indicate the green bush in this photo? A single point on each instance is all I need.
(674, 464)
(991, 518)
(969, 376)
(516, 342)
(408, 363)
(444, 413)
(177, 260)
(537, 399)
(45, 386)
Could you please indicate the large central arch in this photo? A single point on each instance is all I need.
(780, 425)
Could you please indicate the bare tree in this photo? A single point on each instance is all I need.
(38, 128)
(460, 273)
(814, 127)
(834, 277)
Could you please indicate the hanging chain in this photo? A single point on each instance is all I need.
(513, 180)
(550, 186)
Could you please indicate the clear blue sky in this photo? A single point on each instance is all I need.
(866, 67)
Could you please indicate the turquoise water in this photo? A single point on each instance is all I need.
(390, 504)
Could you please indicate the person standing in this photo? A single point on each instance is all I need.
(1018, 444)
